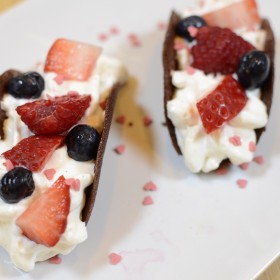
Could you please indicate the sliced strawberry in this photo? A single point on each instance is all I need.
(222, 104)
(239, 14)
(73, 60)
(218, 50)
(34, 151)
(45, 219)
(54, 116)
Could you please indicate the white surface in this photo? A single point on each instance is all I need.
(200, 226)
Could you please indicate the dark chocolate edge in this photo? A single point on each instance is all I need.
(91, 191)
(4, 79)
(169, 64)
(267, 88)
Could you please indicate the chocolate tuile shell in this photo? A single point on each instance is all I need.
(4, 80)
(170, 64)
(91, 190)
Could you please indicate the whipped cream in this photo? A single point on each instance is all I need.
(25, 253)
(202, 151)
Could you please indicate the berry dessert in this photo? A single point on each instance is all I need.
(54, 124)
(218, 82)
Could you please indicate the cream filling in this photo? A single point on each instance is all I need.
(202, 151)
(23, 252)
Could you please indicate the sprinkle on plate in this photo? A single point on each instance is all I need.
(120, 149)
(147, 200)
(115, 258)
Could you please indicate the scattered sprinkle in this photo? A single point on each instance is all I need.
(150, 186)
(8, 164)
(132, 37)
(242, 183)
(120, 149)
(114, 30)
(147, 200)
(74, 184)
(235, 140)
(115, 258)
(193, 31)
(55, 260)
(147, 121)
(134, 40)
(102, 104)
(221, 171)
(161, 25)
(102, 37)
(136, 43)
(120, 119)
(259, 160)
(190, 70)
(49, 173)
(130, 124)
(179, 45)
(244, 165)
(252, 147)
(58, 79)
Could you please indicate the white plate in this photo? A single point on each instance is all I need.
(200, 226)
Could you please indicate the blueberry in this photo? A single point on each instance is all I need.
(27, 85)
(82, 142)
(183, 25)
(253, 69)
(16, 184)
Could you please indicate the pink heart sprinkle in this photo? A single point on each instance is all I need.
(147, 121)
(102, 37)
(150, 186)
(49, 173)
(161, 25)
(120, 119)
(244, 165)
(190, 70)
(55, 260)
(193, 31)
(115, 258)
(148, 200)
(114, 30)
(136, 43)
(179, 46)
(74, 184)
(252, 147)
(132, 37)
(242, 183)
(8, 164)
(235, 140)
(221, 171)
(259, 160)
(120, 149)
(59, 79)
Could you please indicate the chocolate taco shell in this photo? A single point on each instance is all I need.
(170, 64)
(91, 191)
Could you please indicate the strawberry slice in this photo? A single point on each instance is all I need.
(239, 14)
(33, 152)
(222, 104)
(45, 219)
(54, 116)
(218, 50)
(73, 60)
